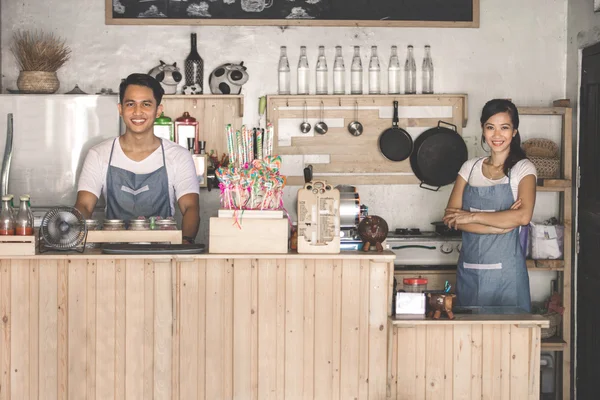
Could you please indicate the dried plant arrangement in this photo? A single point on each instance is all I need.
(39, 51)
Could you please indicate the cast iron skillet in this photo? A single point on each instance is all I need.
(395, 143)
(438, 154)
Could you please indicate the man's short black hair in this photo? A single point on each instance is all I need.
(142, 80)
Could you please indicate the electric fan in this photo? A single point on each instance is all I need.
(62, 228)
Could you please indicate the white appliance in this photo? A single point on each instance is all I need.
(51, 137)
(417, 250)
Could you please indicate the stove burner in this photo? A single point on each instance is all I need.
(407, 231)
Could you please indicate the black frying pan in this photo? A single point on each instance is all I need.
(438, 154)
(395, 143)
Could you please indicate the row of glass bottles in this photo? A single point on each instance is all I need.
(19, 222)
(356, 72)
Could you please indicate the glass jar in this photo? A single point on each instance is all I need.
(166, 224)
(92, 225)
(414, 285)
(113, 225)
(139, 225)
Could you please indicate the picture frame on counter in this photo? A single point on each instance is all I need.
(383, 13)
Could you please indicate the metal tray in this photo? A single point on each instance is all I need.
(125, 248)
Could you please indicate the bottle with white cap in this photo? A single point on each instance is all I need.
(7, 220)
(24, 220)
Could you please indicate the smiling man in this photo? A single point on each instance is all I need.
(138, 173)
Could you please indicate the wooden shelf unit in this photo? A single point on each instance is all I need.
(563, 186)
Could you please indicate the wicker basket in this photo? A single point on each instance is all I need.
(554, 319)
(38, 82)
(546, 167)
(539, 147)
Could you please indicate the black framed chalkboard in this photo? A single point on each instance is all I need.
(431, 13)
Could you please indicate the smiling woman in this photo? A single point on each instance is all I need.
(492, 197)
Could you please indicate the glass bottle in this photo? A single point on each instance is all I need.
(394, 72)
(374, 72)
(339, 72)
(427, 71)
(356, 71)
(321, 81)
(194, 68)
(410, 73)
(7, 220)
(284, 72)
(303, 70)
(24, 220)
(29, 208)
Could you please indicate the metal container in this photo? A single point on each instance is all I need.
(351, 212)
(114, 225)
(92, 225)
(139, 225)
(166, 224)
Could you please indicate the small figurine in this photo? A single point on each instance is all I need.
(373, 230)
(438, 303)
(168, 75)
(228, 79)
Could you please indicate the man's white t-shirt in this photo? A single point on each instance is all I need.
(181, 172)
(520, 170)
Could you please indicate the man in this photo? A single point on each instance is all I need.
(138, 173)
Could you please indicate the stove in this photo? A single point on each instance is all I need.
(416, 249)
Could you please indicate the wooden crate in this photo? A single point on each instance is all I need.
(17, 245)
(256, 235)
(153, 236)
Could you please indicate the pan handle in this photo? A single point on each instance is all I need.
(395, 120)
(423, 185)
(447, 123)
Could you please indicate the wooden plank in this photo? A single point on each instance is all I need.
(242, 335)
(474, 319)
(350, 324)
(134, 329)
(63, 329)
(490, 362)
(476, 360)
(434, 362)
(105, 329)
(163, 328)
(19, 354)
(420, 365)
(77, 343)
(148, 343)
(336, 320)
(378, 325)
(120, 328)
(215, 313)
(5, 336)
(541, 110)
(189, 360)
(280, 322)
(267, 329)
(519, 363)
(363, 329)
(309, 328)
(294, 332)
(566, 292)
(358, 179)
(448, 362)
(462, 362)
(48, 328)
(407, 373)
(534, 363)
(323, 329)
(254, 331)
(505, 362)
(34, 329)
(134, 236)
(91, 326)
(227, 331)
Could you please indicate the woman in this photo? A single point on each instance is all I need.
(492, 197)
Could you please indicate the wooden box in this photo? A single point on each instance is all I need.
(256, 235)
(126, 236)
(17, 245)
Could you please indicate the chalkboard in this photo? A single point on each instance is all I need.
(432, 13)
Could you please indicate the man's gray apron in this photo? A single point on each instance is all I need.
(130, 195)
(491, 268)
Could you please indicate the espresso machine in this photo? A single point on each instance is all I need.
(351, 213)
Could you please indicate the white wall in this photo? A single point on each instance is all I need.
(518, 52)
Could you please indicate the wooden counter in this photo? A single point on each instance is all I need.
(93, 326)
(470, 357)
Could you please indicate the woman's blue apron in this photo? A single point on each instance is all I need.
(130, 195)
(491, 268)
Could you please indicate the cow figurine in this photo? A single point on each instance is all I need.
(438, 303)
(168, 75)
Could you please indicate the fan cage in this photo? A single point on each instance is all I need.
(62, 228)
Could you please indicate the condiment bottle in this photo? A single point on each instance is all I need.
(339, 72)
(427, 72)
(321, 70)
(303, 71)
(284, 72)
(7, 221)
(356, 71)
(394, 72)
(410, 73)
(24, 220)
(374, 72)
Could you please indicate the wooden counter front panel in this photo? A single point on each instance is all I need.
(465, 362)
(199, 329)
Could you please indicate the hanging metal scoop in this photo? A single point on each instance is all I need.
(321, 127)
(305, 126)
(355, 127)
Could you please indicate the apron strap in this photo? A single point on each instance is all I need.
(472, 168)
(111, 151)
(163, 152)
